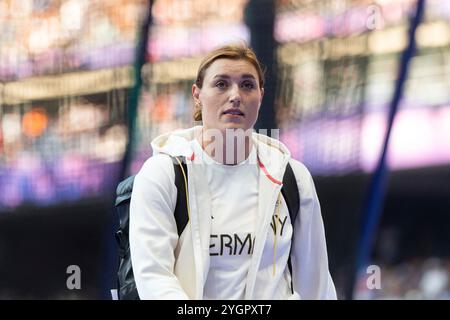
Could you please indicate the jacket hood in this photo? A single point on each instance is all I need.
(175, 143)
(273, 155)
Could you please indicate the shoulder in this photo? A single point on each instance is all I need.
(159, 160)
(157, 168)
(304, 179)
(300, 170)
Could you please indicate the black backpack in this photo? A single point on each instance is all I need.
(126, 285)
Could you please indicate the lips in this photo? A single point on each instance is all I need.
(234, 111)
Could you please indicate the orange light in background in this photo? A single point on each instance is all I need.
(34, 122)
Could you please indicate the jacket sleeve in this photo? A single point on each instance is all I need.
(311, 276)
(153, 232)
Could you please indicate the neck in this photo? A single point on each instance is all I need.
(229, 147)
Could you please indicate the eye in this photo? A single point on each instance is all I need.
(221, 84)
(249, 85)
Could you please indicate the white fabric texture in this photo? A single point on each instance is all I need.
(234, 210)
(170, 267)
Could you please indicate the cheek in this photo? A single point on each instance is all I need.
(255, 113)
(210, 100)
(255, 109)
(210, 110)
(255, 104)
(213, 105)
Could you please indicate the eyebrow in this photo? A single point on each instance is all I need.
(225, 76)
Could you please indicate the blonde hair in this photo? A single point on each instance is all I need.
(233, 52)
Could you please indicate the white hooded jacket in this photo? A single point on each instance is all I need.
(166, 266)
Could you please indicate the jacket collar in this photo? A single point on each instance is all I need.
(272, 154)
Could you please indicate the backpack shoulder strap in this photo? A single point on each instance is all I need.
(180, 213)
(290, 193)
(292, 198)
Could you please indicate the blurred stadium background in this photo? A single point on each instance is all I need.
(66, 74)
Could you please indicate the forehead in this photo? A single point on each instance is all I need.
(232, 68)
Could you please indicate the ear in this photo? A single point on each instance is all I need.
(196, 92)
(262, 95)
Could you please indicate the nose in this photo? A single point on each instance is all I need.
(235, 97)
